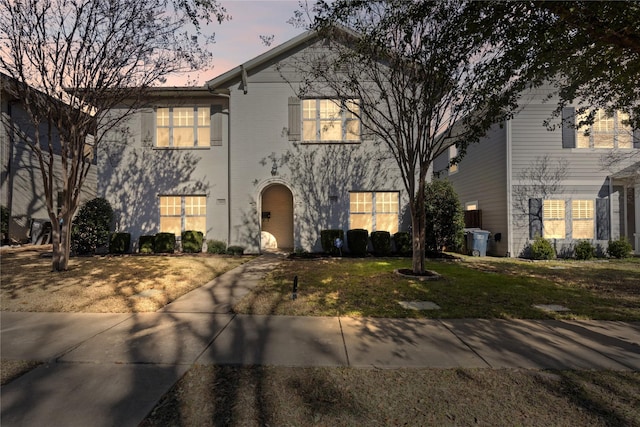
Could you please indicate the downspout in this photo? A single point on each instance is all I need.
(509, 190)
(228, 96)
(610, 207)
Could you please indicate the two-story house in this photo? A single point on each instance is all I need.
(526, 179)
(21, 185)
(248, 162)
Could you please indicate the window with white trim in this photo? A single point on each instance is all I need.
(182, 213)
(553, 219)
(183, 126)
(582, 219)
(606, 131)
(374, 210)
(330, 120)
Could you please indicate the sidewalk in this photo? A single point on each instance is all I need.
(111, 369)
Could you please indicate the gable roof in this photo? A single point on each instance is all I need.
(237, 72)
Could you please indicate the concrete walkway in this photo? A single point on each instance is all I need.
(111, 369)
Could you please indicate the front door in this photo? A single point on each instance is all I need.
(277, 218)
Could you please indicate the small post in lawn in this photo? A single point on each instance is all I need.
(294, 295)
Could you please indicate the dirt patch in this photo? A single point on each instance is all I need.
(234, 396)
(12, 369)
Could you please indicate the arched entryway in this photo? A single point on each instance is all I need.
(277, 217)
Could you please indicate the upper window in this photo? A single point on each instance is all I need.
(374, 211)
(183, 127)
(182, 213)
(606, 131)
(453, 153)
(329, 120)
(553, 219)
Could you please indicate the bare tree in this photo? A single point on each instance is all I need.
(426, 76)
(72, 61)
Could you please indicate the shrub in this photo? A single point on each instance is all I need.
(585, 250)
(402, 240)
(328, 238)
(542, 249)
(119, 243)
(358, 240)
(4, 223)
(146, 244)
(164, 243)
(235, 250)
(216, 247)
(444, 217)
(91, 226)
(619, 248)
(192, 241)
(381, 241)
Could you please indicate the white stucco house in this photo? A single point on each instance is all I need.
(245, 161)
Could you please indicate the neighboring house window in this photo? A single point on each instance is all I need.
(553, 219)
(471, 206)
(374, 211)
(183, 127)
(453, 153)
(606, 132)
(582, 217)
(329, 120)
(181, 213)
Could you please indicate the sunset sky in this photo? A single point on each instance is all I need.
(238, 40)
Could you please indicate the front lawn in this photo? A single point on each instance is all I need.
(474, 288)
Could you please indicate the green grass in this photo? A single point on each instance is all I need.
(477, 288)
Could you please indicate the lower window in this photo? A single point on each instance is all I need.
(374, 210)
(553, 219)
(582, 219)
(182, 213)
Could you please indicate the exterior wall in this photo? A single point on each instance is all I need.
(22, 187)
(585, 178)
(133, 173)
(320, 176)
(482, 178)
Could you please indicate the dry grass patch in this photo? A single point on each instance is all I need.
(12, 369)
(104, 284)
(279, 396)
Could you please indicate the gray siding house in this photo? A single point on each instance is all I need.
(21, 188)
(524, 179)
(245, 161)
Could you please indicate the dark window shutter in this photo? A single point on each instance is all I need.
(636, 138)
(602, 219)
(535, 218)
(568, 127)
(216, 125)
(295, 120)
(147, 127)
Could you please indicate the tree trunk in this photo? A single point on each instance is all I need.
(61, 245)
(418, 227)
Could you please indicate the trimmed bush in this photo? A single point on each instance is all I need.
(542, 249)
(381, 242)
(585, 250)
(91, 226)
(192, 241)
(119, 243)
(216, 247)
(164, 243)
(328, 238)
(619, 248)
(146, 244)
(402, 240)
(235, 250)
(444, 217)
(358, 240)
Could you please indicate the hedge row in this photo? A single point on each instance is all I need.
(358, 242)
